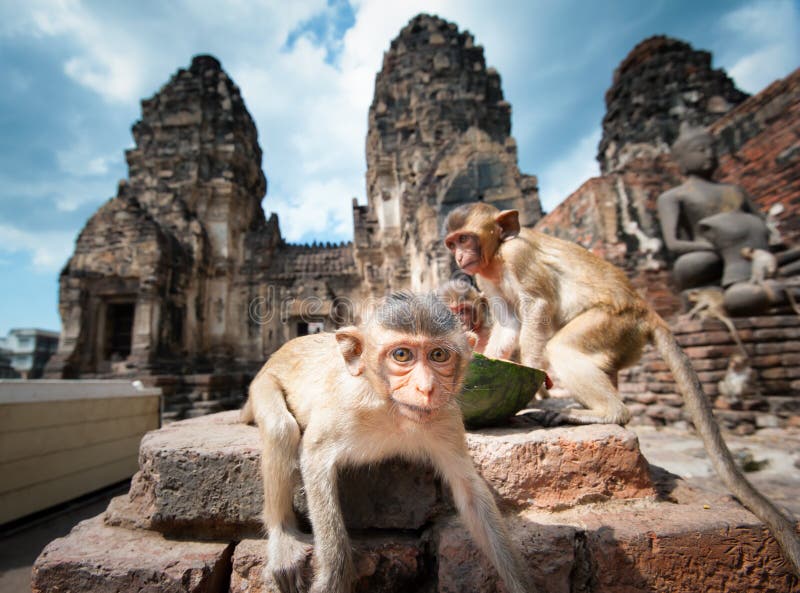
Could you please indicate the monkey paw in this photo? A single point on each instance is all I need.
(545, 418)
(288, 562)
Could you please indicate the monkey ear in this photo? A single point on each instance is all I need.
(472, 339)
(508, 221)
(351, 345)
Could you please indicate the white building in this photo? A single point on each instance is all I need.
(29, 350)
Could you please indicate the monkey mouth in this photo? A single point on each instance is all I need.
(416, 413)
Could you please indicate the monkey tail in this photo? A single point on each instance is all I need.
(734, 334)
(699, 409)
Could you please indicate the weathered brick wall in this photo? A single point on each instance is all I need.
(773, 345)
(759, 149)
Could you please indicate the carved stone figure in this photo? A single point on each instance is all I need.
(706, 225)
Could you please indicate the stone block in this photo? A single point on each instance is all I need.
(384, 564)
(698, 542)
(561, 467)
(201, 477)
(97, 558)
(548, 552)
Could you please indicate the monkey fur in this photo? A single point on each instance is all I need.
(579, 313)
(364, 394)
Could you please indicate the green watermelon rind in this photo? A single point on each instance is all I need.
(494, 390)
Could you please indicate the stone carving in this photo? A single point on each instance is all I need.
(708, 224)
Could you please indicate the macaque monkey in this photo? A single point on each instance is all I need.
(764, 266)
(579, 313)
(709, 303)
(471, 308)
(740, 381)
(358, 396)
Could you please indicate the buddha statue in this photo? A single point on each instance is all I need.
(706, 224)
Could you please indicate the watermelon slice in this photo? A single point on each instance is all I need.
(494, 390)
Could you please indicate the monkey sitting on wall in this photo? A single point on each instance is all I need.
(578, 313)
(359, 396)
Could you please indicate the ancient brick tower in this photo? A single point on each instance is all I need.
(660, 83)
(439, 136)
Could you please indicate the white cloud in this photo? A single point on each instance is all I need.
(49, 250)
(566, 174)
(772, 29)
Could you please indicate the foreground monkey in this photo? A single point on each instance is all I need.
(359, 396)
(579, 313)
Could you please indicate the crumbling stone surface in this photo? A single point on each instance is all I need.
(383, 564)
(661, 82)
(703, 542)
(548, 552)
(201, 478)
(561, 467)
(101, 559)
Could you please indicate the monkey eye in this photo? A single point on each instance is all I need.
(463, 238)
(402, 354)
(439, 355)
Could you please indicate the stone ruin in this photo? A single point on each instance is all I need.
(439, 136)
(180, 280)
(184, 257)
(615, 216)
(582, 504)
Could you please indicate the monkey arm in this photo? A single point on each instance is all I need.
(480, 514)
(504, 335)
(537, 327)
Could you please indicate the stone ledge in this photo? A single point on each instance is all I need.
(383, 564)
(98, 558)
(201, 478)
(636, 547)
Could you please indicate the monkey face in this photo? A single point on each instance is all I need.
(466, 249)
(421, 374)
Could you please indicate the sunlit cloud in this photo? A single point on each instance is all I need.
(772, 29)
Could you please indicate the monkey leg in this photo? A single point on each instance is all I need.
(479, 512)
(280, 438)
(584, 357)
(332, 552)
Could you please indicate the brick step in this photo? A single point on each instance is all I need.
(200, 478)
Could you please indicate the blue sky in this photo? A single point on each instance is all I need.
(74, 73)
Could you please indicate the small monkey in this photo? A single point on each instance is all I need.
(709, 303)
(579, 313)
(471, 308)
(740, 380)
(364, 394)
(764, 266)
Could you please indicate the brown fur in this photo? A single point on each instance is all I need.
(581, 315)
(326, 401)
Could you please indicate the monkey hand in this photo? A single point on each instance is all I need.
(288, 562)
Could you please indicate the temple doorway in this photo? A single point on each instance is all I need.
(119, 330)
